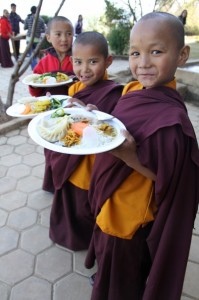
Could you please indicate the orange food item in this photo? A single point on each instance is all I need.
(27, 109)
(79, 127)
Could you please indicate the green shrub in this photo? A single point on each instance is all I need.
(118, 39)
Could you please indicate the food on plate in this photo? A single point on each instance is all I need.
(51, 78)
(33, 106)
(76, 130)
(27, 109)
(53, 129)
(58, 113)
(25, 100)
(71, 138)
(36, 107)
(78, 127)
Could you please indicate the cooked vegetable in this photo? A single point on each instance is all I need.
(27, 109)
(55, 103)
(78, 127)
(58, 113)
(44, 77)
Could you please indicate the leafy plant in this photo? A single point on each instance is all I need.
(118, 38)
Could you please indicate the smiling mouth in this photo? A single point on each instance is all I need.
(148, 75)
(85, 77)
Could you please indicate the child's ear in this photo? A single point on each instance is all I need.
(184, 55)
(48, 38)
(109, 61)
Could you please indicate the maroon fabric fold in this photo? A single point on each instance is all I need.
(166, 144)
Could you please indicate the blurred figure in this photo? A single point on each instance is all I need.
(183, 17)
(5, 34)
(79, 25)
(15, 19)
(39, 30)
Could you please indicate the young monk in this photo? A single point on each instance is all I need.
(60, 34)
(71, 222)
(145, 193)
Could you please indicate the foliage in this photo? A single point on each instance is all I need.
(113, 14)
(118, 38)
(45, 44)
(120, 17)
(118, 22)
(45, 18)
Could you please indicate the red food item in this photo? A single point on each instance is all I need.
(79, 127)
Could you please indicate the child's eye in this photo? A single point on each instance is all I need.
(69, 33)
(77, 62)
(135, 53)
(156, 52)
(93, 61)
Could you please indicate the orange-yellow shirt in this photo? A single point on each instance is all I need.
(132, 205)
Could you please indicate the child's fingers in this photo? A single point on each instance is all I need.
(127, 135)
(91, 107)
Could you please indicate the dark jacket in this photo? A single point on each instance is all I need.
(15, 19)
(29, 24)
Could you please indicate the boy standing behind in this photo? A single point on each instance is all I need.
(71, 221)
(60, 34)
(145, 193)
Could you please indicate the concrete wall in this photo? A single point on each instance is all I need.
(191, 80)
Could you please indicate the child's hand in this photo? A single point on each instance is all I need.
(91, 107)
(71, 100)
(74, 102)
(126, 151)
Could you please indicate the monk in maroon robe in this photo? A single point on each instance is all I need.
(145, 193)
(158, 120)
(71, 222)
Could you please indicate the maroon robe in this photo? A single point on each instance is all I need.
(166, 144)
(71, 222)
(5, 55)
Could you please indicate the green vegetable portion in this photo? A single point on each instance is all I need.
(58, 113)
(55, 103)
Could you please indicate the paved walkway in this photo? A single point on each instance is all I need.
(31, 266)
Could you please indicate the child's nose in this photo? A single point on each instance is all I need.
(85, 67)
(144, 61)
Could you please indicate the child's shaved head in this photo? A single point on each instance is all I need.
(174, 25)
(57, 19)
(95, 39)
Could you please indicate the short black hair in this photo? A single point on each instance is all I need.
(93, 38)
(13, 5)
(33, 9)
(57, 19)
(175, 25)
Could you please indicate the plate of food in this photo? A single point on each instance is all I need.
(47, 79)
(29, 107)
(75, 131)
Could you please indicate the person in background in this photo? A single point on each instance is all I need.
(71, 221)
(15, 19)
(145, 193)
(79, 25)
(5, 34)
(183, 17)
(28, 25)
